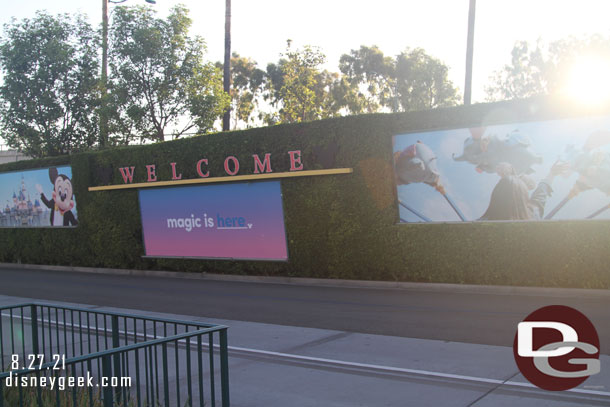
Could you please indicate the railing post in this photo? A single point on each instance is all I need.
(115, 344)
(35, 345)
(34, 319)
(107, 372)
(165, 373)
(224, 367)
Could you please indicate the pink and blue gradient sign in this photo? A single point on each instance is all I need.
(228, 221)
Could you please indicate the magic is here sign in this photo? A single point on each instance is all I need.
(224, 221)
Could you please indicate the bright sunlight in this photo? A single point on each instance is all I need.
(588, 80)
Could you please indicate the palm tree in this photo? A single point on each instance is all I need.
(226, 119)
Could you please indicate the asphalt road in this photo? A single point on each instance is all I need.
(462, 317)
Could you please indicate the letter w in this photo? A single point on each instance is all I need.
(127, 173)
(264, 166)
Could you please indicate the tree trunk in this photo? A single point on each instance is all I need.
(226, 119)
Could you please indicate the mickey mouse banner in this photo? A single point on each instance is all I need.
(38, 198)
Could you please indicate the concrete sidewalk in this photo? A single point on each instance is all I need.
(273, 365)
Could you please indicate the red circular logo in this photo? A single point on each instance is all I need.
(556, 348)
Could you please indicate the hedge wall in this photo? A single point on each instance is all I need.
(339, 226)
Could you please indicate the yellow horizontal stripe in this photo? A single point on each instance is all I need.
(225, 179)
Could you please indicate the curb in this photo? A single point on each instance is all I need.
(336, 283)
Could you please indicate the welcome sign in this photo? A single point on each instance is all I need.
(224, 221)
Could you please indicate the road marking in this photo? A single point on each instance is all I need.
(405, 370)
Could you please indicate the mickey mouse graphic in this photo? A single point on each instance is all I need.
(63, 199)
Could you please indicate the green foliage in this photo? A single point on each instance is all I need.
(248, 82)
(422, 82)
(65, 398)
(369, 74)
(299, 89)
(412, 81)
(341, 226)
(159, 79)
(50, 90)
(297, 93)
(29, 397)
(541, 69)
(527, 75)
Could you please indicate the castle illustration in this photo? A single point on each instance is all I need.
(22, 212)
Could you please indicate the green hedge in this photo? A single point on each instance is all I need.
(339, 226)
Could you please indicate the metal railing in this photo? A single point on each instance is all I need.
(64, 356)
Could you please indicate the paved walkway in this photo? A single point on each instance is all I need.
(273, 365)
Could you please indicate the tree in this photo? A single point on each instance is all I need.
(525, 76)
(159, 82)
(421, 82)
(50, 91)
(298, 88)
(248, 82)
(542, 69)
(413, 80)
(369, 81)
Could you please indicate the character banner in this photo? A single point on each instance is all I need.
(225, 221)
(557, 169)
(38, 198)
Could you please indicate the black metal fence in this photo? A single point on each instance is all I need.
(63, 356)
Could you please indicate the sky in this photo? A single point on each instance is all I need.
(260, 28)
